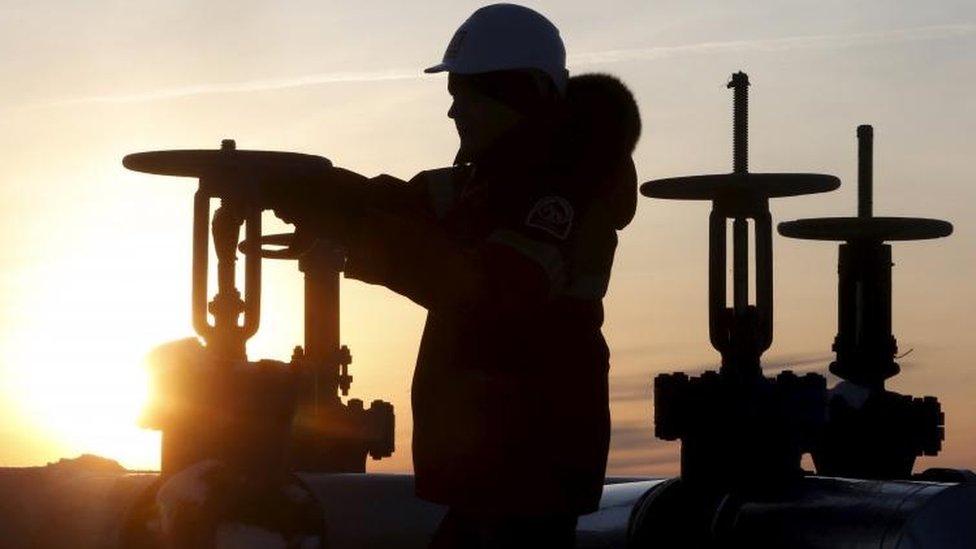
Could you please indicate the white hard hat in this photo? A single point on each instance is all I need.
(506, 37)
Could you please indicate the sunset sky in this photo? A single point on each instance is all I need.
(94, 270)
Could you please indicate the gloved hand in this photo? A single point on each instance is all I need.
(327, 204)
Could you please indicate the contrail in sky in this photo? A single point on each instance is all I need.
(270, 84)
(826, 41)
(578, 60)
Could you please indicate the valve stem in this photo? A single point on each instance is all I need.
(740, 122)
(865, 171)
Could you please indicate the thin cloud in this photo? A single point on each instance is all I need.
(633, 387)
(583, 59)
(634, 435)
(248, 86)
(825, 41)
(640, 464)
(634, 448)
(798, 363)
(639, 387)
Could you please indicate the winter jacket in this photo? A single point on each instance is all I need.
(511, 257)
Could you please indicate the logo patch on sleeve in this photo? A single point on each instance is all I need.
(552, 214)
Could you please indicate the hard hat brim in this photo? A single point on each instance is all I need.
(450, 67)
(440, 67)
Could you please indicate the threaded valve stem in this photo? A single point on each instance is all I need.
(740, 122)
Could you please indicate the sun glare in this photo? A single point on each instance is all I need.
(77, 363)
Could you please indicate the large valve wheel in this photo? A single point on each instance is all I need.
(226, 172)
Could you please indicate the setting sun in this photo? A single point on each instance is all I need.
(82, 380)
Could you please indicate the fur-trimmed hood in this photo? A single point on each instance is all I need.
(588, 137)
(603, 119)
(601, 131)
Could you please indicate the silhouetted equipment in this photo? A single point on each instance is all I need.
(872, 433)
(226, 402)
(735, 424)
(811, 513)
(742, 434)
(327, 435)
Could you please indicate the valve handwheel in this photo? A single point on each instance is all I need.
(228, 172)
(865, 227)
(226, 162)
(734, 186)
(741, 333)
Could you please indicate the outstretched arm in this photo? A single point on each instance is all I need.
(517, 268)
(332, 204)
(395, 237)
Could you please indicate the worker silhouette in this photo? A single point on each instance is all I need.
(510, 251)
